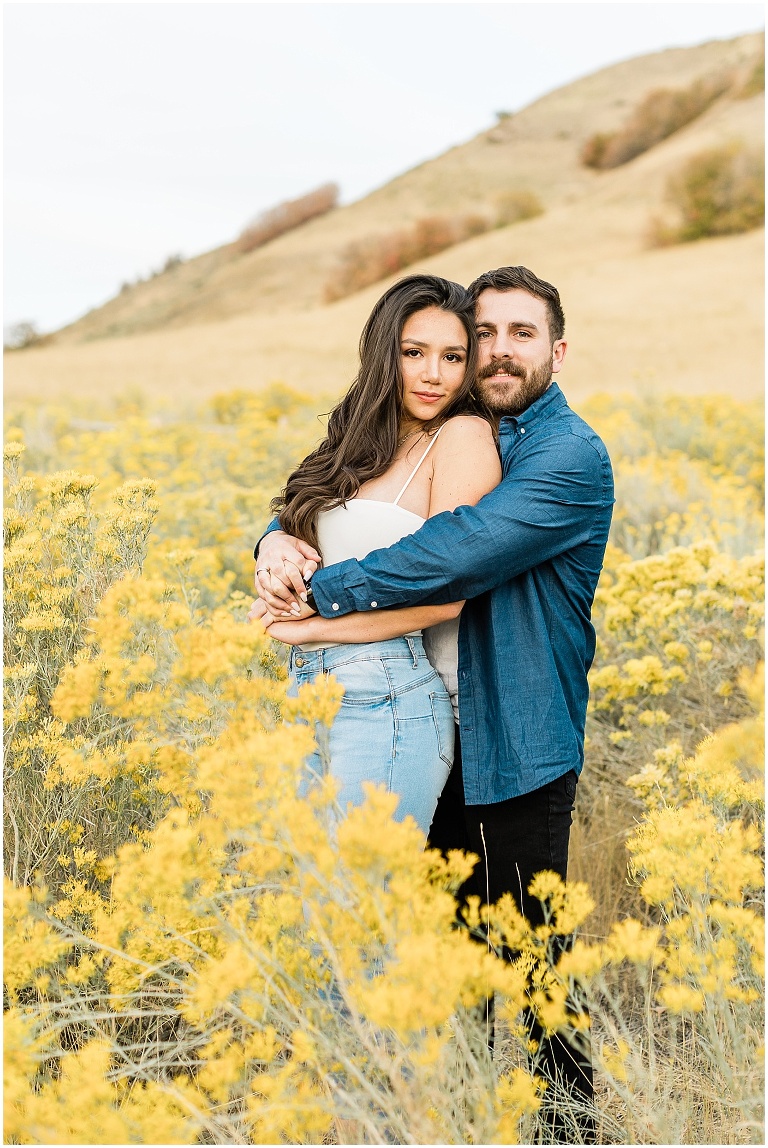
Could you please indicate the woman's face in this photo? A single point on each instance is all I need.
(433, 357)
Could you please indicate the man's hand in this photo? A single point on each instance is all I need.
(292, 633)
(259, 612)
(283, 564)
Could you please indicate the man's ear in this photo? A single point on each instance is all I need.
(559, 347)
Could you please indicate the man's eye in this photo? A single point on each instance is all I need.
(526, 334)
(483, 334)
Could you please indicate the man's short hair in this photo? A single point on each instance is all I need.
(511, 278)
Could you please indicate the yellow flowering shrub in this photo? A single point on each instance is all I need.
(59, 559)
(687, 469)
(289, 959)
(215, 469)
(675, 633)
(194, 954)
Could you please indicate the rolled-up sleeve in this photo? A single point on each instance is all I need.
(548, 503)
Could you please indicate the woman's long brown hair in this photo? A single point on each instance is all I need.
(363, 428)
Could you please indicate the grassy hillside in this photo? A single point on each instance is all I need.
(637, 316)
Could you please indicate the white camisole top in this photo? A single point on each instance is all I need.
(365, 524)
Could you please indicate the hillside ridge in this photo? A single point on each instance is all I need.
(535, 149)
(638, 316)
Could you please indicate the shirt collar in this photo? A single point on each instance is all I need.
(552, 399)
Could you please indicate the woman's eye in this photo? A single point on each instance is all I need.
(411, 352)
(452, 357)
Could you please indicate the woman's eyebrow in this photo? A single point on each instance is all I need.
(455, 347)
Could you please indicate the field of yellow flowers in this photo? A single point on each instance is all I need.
(193, 956)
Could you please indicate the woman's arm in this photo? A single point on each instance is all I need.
(353, 628)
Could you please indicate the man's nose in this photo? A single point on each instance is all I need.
(502, 349)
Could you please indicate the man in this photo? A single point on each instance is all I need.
(527, 558)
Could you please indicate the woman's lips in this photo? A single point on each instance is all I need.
(426, 397)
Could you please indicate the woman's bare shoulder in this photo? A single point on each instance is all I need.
(467, 464)
(462, 428)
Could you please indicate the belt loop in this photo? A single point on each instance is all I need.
(412, 648)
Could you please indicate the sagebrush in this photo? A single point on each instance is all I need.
(196, 955)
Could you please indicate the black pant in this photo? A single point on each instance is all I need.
(520, 837)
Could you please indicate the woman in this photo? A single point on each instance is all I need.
(408, 441)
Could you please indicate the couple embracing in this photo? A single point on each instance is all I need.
(438, 553)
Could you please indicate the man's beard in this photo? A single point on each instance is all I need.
(502, 399)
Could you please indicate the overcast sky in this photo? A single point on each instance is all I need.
(138, 130)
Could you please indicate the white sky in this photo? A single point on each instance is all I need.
(137, 130)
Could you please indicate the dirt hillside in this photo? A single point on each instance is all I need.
(636, 315)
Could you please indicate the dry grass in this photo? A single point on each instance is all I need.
(635, 319)
(598, 855)
(377, 257)
(538, 146)
(754, 80)
(635, 316)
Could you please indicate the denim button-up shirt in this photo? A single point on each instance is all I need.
(527, 558)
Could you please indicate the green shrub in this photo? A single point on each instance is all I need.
(517, 205)
(593, 150)
(368, 260)
(720, 191)
(21, 335)
(754, 82)
(285, 216)
(662, 112)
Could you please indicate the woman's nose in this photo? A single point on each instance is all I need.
(431, 369)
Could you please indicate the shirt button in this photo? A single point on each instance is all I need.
(374, 605)
(335, 606)
(522, 430)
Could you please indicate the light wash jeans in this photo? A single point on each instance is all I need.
(395, 726)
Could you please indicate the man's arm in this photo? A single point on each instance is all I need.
(548, 504)
(273, 526)
(465, 466)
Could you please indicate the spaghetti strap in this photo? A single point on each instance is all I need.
(412, 475)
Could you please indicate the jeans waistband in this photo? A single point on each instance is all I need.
(324, 660)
